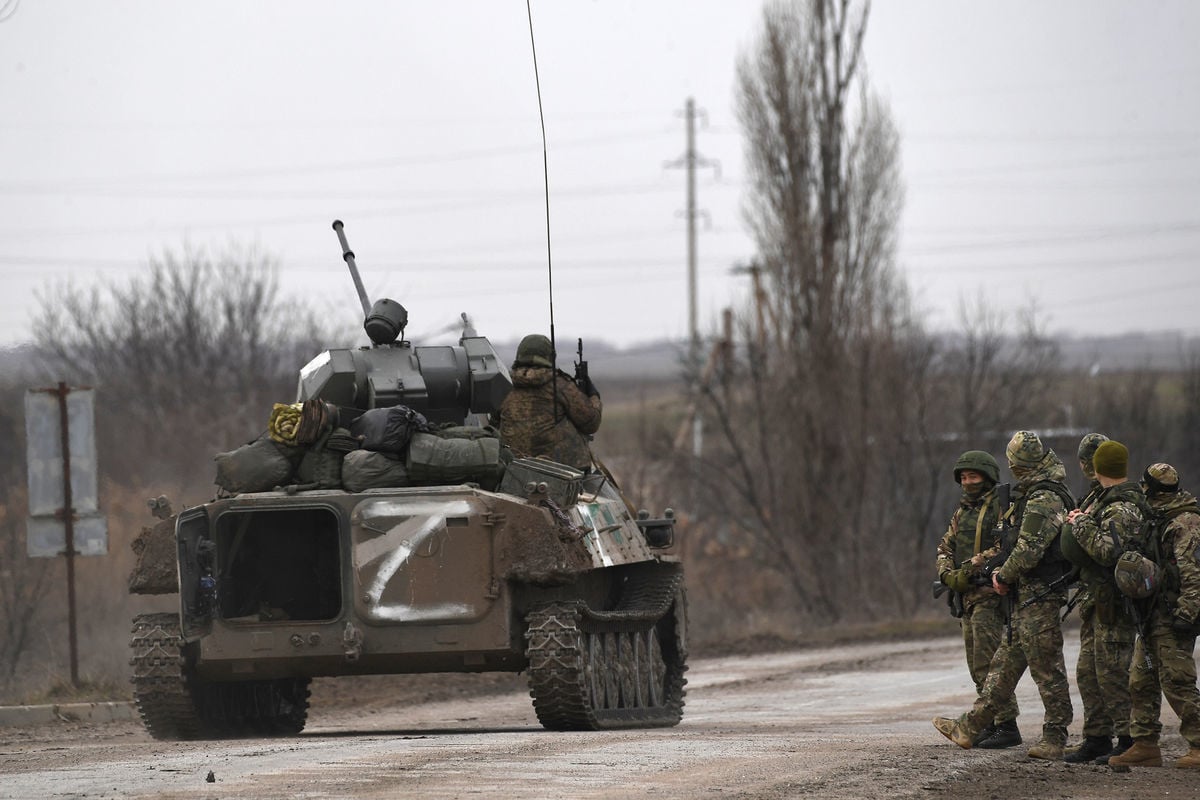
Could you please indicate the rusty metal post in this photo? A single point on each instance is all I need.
(68, 518)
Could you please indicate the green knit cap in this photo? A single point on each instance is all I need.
(1111, 459)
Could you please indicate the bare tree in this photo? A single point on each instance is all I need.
(997, 380)
(188, 358)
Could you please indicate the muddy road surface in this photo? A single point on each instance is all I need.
(843, 722)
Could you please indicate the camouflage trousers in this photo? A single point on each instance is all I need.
(982, 629)
(1171, 672)
(1037, 645)
(1102, 672)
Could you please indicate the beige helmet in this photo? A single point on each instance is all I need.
(1025, 450)
(1160, 478)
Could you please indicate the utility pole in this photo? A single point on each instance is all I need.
(691, 160)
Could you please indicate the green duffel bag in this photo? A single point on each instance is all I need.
(259, 466)
(465, 432)
(322, 464)
(367, 469)
(433, 459)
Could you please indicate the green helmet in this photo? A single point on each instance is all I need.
(1087, 449)
(981, 462)
(1025, 450)
(535, 350)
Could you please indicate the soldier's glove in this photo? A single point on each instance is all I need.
(957, 579)
(587, 387)
(1182, 628)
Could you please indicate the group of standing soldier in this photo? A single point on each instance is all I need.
(1131, 550)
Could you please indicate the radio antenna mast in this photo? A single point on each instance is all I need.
(546, 183)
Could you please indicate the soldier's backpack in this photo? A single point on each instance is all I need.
(1054, 565)
(1139, 573)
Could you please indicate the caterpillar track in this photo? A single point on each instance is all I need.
(175, 704)
(598, 670)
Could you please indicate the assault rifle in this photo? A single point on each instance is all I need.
(1141, 624)
(1008, 537)
(582, 379)
(1063, 580)
(955, 600)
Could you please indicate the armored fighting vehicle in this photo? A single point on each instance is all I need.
(550, 572)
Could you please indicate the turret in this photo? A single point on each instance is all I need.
(445, 383)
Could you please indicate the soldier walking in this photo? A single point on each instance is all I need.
(970, 542)
(1111, 522)
(1163, 661)
(1031, 573)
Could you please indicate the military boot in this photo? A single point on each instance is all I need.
(1093, 747)
(1123, 744)
(1190, 760)
(1046, 750)
(1003, 735)
(1143, 753)
(956, 730)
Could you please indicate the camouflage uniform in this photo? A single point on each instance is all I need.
(546, 414)
(1113, 523)
(1031, 568)
(972, 538)
(1172, 628)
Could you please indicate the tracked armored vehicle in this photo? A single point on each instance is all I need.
(549, 571)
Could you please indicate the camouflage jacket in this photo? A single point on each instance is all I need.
(971, 539)
(533, 423)
(1111, 524)
(1039, 524)
(1179, 555)
(1094, 490)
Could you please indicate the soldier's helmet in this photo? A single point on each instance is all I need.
(1087, 449)
(534, 350)
(981, 462)
(1160, 479)
(1025, 450)
(1136, 576)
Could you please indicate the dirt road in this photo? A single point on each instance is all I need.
(846, 722)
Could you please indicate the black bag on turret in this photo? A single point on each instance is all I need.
(259, 466)
(388, 430)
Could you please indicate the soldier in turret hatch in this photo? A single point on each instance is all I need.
(546, 413)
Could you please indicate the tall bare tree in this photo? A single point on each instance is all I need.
(824, 432)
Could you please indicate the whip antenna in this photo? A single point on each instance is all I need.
(545, 177)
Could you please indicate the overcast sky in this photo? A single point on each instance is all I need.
(1050, 150)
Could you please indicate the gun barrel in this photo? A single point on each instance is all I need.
(348, 256)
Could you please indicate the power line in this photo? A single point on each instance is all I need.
(1091, 263)
(338, 168)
